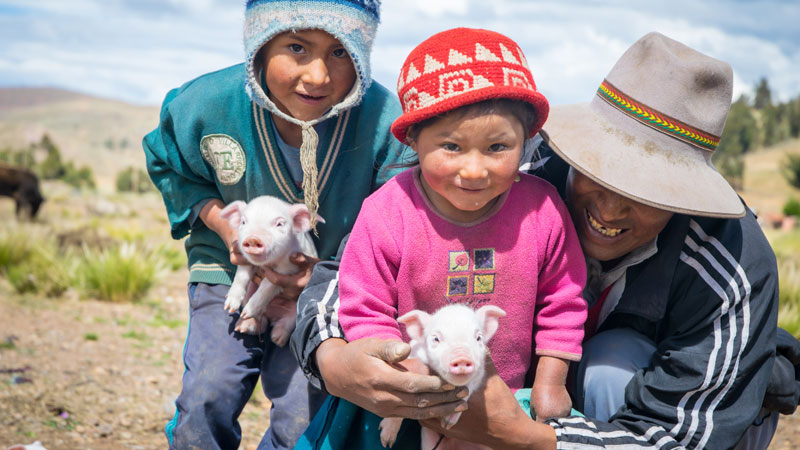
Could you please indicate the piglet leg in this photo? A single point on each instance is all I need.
(238, 291)
(389, 428)
(282, 330)
(429, 439)
(257, 304)
(251, 325)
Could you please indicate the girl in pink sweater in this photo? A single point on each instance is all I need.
(465, 226)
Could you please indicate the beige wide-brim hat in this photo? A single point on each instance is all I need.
(652, 128)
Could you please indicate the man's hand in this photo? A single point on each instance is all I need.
(280, 307)
(495, 419)
(292, 284)
(374, 374)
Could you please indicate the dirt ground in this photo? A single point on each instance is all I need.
(78, 374)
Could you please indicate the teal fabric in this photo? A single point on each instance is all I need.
(341, 425)
(217, 104)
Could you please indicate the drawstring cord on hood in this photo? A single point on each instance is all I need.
(308, 150)
(308, 161)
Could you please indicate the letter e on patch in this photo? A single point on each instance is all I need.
(226, 157)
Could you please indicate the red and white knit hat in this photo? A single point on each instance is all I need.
(462, 66)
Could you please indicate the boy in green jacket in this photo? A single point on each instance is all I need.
(299, 120)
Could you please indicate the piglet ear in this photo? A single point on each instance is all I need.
(233, 212)
(415, 322)
(489, 317)
(301, 218)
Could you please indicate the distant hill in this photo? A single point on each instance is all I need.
(103, 134)
(765, 187)
(24, 97)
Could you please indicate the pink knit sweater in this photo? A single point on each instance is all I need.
(523, 256)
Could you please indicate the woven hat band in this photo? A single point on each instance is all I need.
(655, 119)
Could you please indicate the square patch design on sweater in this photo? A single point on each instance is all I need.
(484, 283)
(484, 258)
(458, 285)
(458, 261)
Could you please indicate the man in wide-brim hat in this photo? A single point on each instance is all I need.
(682, 286)
(680, 345)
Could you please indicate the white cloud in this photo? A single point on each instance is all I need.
(437, 8)
(136, 50)
(107, 48)
(572, 44)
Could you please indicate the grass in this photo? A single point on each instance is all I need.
(42, 259)
(140, 340)
(789, 311)
(136, 335)
(90, 336)
(61, 424)
(767, 191)
(160, 317)
(124, 272)
(174, 257)
(123, 321)
(32, 262)
(15, 246)
(786, 244)
(27, 433)
(787, 250)
(161, 320)
(45, 270)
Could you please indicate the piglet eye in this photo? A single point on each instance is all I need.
(436, 339)
(280, 223)
(244, 221)
(478, 338)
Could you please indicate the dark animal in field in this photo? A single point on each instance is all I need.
(23, 186)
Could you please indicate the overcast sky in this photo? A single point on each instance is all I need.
(136, 50)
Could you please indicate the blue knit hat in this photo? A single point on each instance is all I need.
(351, 22)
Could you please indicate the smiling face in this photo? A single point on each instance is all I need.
(468, 160)
(307, 72)
(609, 225)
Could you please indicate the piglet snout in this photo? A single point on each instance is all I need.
(461, 366)
(253, 246)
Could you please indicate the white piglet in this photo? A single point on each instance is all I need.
(452, 342)
(270, 230)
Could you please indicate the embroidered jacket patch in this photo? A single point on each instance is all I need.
(226, 157)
